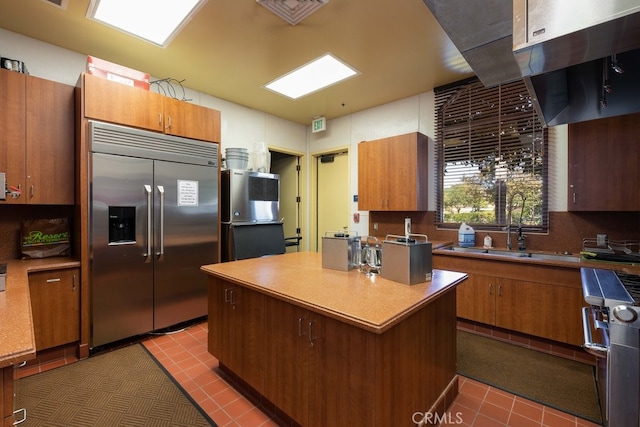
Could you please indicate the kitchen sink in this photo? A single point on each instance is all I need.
(518, 254)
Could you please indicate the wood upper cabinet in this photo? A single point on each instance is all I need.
(604, 155)
(392, 173)
(37, 124)
(55, 304)
(13, 130)
(114, 102)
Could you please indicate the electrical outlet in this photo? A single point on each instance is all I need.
(375, 225)
(601, 239)
(407, 226)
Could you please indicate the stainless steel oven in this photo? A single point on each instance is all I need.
(614, 312)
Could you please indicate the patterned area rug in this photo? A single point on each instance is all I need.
(553, 381)
(124, 387)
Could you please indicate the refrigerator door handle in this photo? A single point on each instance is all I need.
(147, 189)
(161, 253)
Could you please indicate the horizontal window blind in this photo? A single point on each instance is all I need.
(491, 153)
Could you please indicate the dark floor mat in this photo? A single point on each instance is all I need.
(124, 387)
(553, 381)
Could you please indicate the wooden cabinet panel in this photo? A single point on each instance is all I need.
(238, 339)
(13, 131)
(286, 358)
(549, 308)
(392, 173)
(117, 103)
(38, 139)
(131, 106)
(603, 164)
(55, 302)
(50, 142)
(6, 396)
(191, 120)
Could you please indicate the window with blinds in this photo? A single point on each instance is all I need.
(491, 151)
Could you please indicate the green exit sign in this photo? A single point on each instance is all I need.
(319, 124)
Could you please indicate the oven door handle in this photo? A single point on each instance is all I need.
(593, 348)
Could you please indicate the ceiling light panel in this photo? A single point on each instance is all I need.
(317, 74)
(293, 11)
(157, 21)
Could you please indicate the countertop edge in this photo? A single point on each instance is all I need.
(360, 322)
(16, 330)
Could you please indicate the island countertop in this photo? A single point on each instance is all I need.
(371, 303)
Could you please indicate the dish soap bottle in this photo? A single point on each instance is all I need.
(488, 241)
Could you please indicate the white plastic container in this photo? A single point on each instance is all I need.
(488, 241)
(466, 236)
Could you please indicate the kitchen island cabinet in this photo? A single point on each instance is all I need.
(601, 153)
(131, 106)
(339, 346)
(37, 147)
(547, 304)
(392, 173)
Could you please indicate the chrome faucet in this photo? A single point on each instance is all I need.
(509, 220)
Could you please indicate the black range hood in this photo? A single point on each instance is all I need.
(565, 72)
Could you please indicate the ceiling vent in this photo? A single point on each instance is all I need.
(293, 11)
(62, 4)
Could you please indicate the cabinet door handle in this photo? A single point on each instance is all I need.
(31, 191)
(160, 119)
(499, 290)
(226, 294)
(53, 280)
(169, 123)
(73, 283)
(311, 337)
(231, 300)
(300, 331)
(490, 288)
(24, 416)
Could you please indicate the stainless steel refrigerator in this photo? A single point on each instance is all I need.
(153, 223)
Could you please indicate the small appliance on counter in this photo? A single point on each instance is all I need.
(340, 251)
(407, 260)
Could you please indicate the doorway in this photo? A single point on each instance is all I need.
(288, 166)
(331, 194)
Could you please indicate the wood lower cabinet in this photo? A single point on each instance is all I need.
(322, 371)
(309, 357)
(392, 173)
(55, 305)
(6, 396)
(114, 102)
(603, 164)
(548, 305)
(38, 139)
(238, 339)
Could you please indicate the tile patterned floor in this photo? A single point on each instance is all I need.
(184, 355)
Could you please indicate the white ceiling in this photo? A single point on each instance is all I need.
(231, 48)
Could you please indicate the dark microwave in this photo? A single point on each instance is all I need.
(249, 197)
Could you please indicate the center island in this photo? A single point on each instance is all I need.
(331, 348)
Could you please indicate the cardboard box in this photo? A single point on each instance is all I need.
(117, 73)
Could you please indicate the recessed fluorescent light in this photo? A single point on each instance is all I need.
(156, 21)
(318, 74)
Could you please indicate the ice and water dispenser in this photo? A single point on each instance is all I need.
(122, 224)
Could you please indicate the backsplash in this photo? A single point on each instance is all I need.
(11, 217)
(567, 229)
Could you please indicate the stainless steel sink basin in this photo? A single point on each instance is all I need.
(504, 252)
(473, 250)
(518, 254)
(556, 257)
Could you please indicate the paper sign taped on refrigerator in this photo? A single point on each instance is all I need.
(187, 193)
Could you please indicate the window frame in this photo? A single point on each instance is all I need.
(474, 90)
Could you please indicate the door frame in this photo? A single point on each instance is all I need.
(302, 190)
(313, 190)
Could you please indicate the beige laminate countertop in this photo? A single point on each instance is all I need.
(17, 342)
(371, 303)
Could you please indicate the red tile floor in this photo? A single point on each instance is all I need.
(184, 355)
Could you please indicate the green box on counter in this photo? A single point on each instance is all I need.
(406, 260)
